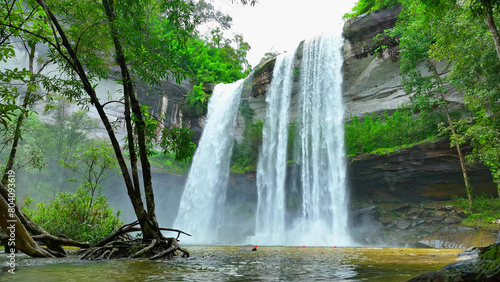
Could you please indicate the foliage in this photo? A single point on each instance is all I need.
(145, 39)
(150, 127)
(168, 163)
(482, 135)
(92, 164)
(485, 209)
(417, 68)
(213, 60)
(457, 35)
(490, 260)
(387, 131)
(365, 6)
(246, 111)
(245, 152)
(292, 136)
(197, 99)
(43, 146)
(76, 215)
(268, 56)
(176, 140)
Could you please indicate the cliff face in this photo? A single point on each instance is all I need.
(372, 84)
(427, 171)
(169, 98)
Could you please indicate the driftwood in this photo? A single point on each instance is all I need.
(122, 245)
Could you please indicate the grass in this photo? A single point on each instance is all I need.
(168, 163)
(485, 210)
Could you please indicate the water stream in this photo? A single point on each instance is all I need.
(319, 151)
(319, 217)
(271, 168)
(204, 194)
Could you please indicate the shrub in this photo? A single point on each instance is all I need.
(167, 162)
(388, 131)
(485, 209)
(365, 6)
(245, 153)
(76, 215)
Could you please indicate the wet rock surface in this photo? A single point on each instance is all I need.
(485, 267)
(423, 172)
(248, 248)
(428, 225)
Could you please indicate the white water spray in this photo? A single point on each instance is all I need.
(271, 168)
(319, 152)
(203, 200)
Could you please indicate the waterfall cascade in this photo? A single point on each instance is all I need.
(205, 190)
(318, 151)
(271, 168)
(314, 211)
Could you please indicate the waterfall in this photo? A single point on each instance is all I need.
(320, 149)
(318, 152)
(271, 167)
(203, 199)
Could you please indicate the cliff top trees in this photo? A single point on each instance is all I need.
(365, 6)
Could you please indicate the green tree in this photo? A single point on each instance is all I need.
(486, 9)
(80, 215)
(213, 60)
(464, 40)
(428, 87)
(365, 6)
(13, 16)
(93, 166)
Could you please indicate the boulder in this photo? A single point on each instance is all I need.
(248, 248)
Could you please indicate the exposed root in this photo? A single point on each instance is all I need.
(145, 250)
(122, 245)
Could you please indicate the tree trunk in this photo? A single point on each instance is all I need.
(494, 32)
(149, 223)
(497, 182)
(11, 224)
(468, 187)
(20, 119)
(13, 149)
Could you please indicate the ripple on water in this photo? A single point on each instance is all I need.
(226, 264)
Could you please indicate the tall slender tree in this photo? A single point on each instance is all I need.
(412, 30)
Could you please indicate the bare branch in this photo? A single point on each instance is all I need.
(114, 101)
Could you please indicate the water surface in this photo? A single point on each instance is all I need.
(211, 263)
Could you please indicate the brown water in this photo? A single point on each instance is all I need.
(227, 264)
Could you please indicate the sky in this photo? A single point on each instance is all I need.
(280, 25)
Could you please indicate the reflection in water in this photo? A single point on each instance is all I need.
(227, 264)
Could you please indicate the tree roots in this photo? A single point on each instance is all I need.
(122, 245)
